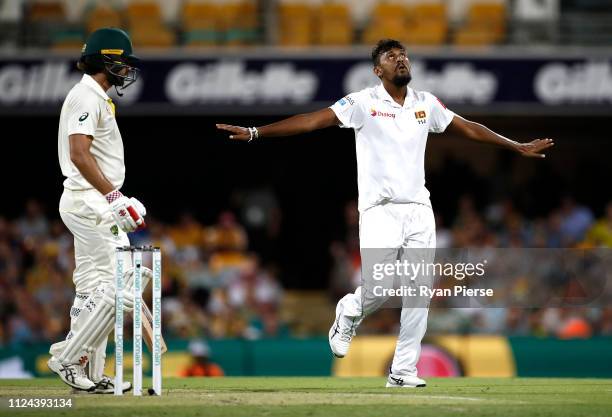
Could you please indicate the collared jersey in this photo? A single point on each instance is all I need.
(89, 111)
(390, 141)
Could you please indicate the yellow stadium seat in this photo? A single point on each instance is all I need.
(488, 12)
(71, 44)
(47, 25)
(202, 24)
(295, 24)
(334, 25)
(240, 22)
(143, 10)
(102, 16)
(46, 11)
(389, 10)
(158, 37)
(486, 24)
(427, 24)
(146, 26)
(389, 20)
(393, 30)
(207, 23)
(198, 15)
(428, 11)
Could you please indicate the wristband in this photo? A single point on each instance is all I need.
(253, 133)
(113, 195)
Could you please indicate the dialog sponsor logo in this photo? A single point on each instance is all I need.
(374, 113)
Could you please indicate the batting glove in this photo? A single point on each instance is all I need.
(127, 212)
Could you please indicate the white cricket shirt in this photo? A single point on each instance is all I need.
(89, 111)
(390, 141)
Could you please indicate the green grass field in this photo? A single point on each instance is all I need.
(352, 397)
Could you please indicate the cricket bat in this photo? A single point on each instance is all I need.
(147, 334)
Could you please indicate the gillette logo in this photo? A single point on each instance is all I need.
(374, 113)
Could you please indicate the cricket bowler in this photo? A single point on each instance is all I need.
(391, 123)
(92, 207)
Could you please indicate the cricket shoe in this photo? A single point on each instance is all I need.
(105, 386)
(341, 332)
(71, 374)
(405, 381)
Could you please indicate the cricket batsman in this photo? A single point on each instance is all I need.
(391, 123)
(92, 207)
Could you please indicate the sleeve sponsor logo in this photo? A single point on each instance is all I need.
(83, 117)
(343, 101)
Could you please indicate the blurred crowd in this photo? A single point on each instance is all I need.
(520, 312)
(214, 287)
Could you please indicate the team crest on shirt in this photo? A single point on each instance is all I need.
(114, 230)
(421, 117)
(374, 113)
(110, 106)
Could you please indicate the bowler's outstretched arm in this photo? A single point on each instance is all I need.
(295, 125)
(476, 131)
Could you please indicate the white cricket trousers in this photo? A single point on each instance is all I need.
(391, 232)
(87, 215)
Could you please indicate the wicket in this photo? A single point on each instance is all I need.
(136, 252)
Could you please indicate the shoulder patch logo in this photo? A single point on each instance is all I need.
(114, 230)
(344, 100)
(83, 116)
